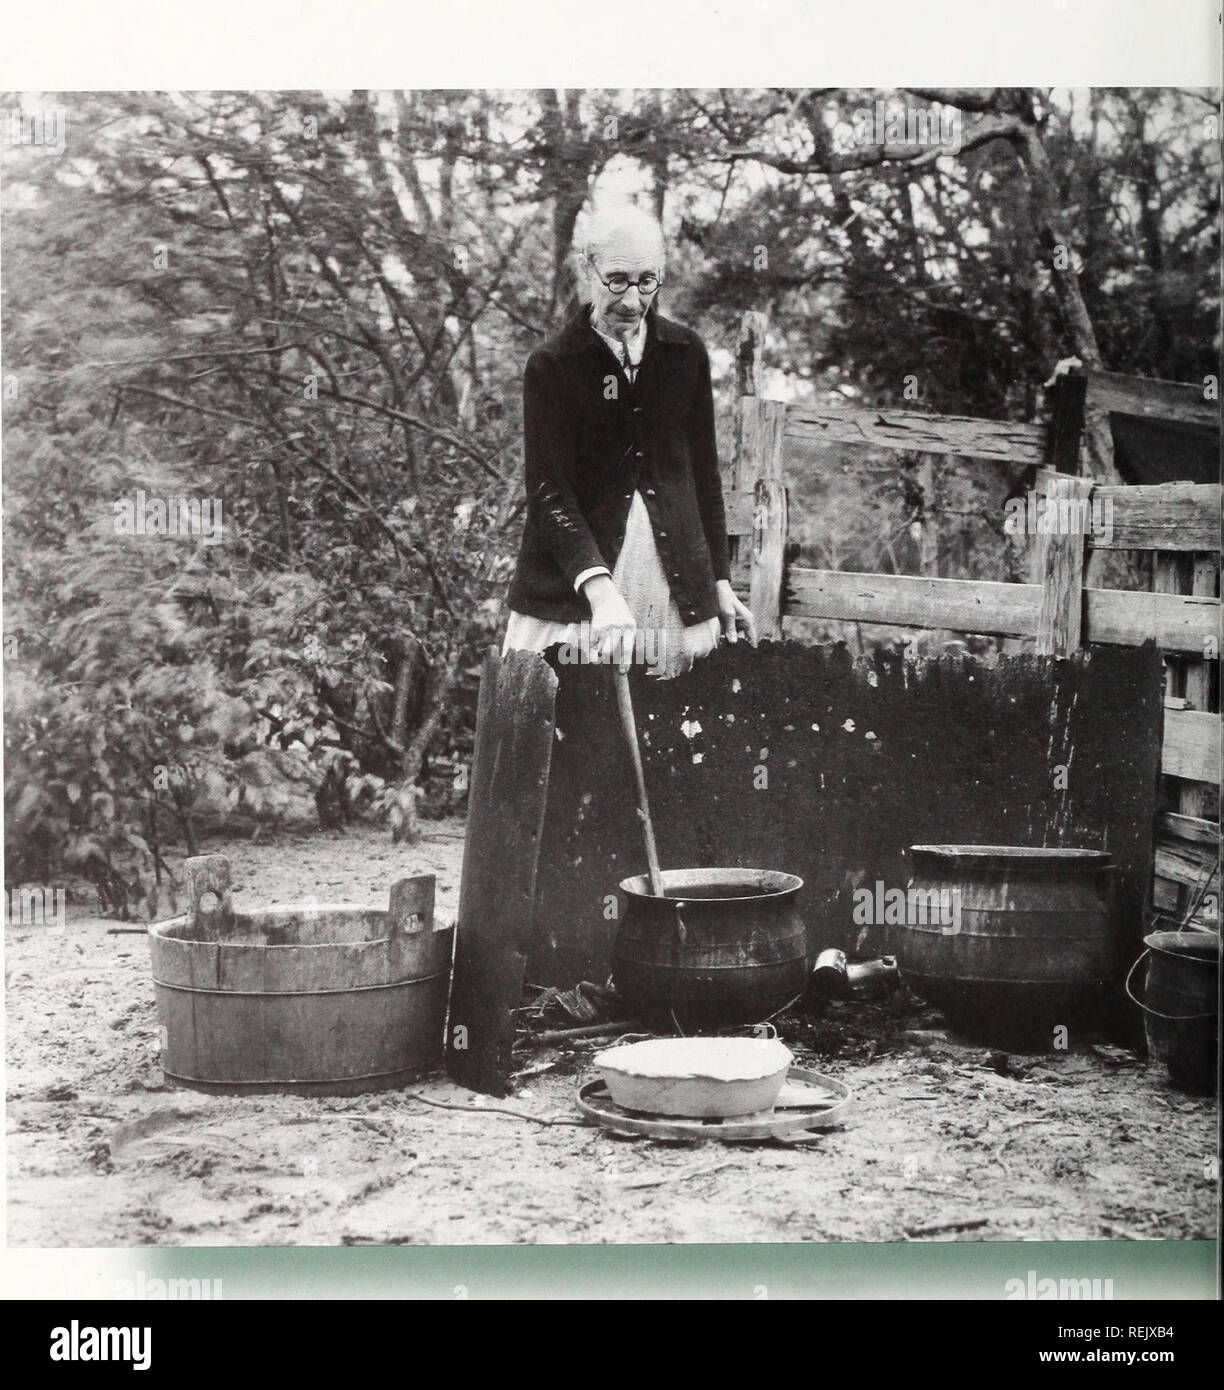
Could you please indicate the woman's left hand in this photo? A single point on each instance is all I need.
(732, 612)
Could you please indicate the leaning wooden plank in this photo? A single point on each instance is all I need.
(964, 605)
(1180, 881)
(1191, 746)
(1157, 400)
(911, 430)
(1060, 621)
(1203, 832)
(1183, 863)
(506, 801)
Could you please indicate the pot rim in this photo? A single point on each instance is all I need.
(1018, 858)
(780, 884)
(1200, 947)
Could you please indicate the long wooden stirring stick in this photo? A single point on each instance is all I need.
(625, 703)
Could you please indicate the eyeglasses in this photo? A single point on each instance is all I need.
(619, 284)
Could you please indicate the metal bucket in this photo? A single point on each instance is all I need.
(330, 1000)
(722, 946)
(1028, 945)
(1181, 1004)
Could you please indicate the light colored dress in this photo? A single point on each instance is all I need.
(663, 642)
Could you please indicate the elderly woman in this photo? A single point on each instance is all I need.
(625, 538)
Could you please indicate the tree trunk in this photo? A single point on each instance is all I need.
(437, 693)
(1052, 233)
(403, 687)
(570, 164)
(183, 809)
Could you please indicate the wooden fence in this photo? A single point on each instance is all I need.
(1176, 524)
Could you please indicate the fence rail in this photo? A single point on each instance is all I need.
(1114, 617)
(914, 432)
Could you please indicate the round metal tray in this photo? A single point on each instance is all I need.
(807, 1101)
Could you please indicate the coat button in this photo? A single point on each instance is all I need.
(650, 492)
(639, 455)
(662, 535)
(637, 409)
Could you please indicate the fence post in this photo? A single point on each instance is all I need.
(1060, 623)
(748, 352)
(1066, 397)
(758, 463)
(768, 556)
(748, 384)
(764, 423)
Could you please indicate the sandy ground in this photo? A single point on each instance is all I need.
(945, 1140)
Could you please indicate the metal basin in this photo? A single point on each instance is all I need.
(704, 1078)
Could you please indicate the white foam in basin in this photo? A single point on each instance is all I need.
(715, 1059)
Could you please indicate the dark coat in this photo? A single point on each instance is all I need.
(591, 439)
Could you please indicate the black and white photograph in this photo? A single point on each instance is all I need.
(614, 665)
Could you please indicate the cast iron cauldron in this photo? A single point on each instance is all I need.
(721, 947)
(1028, 945)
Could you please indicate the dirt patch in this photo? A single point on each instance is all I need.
(945, 1140)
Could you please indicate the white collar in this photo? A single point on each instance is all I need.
(632, 349)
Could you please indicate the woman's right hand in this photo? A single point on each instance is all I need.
(612, 624)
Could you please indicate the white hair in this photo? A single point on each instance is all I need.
(607, 224)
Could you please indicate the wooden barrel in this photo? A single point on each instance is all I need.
(721, 947)
(1009, 941)
(332, 1000)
